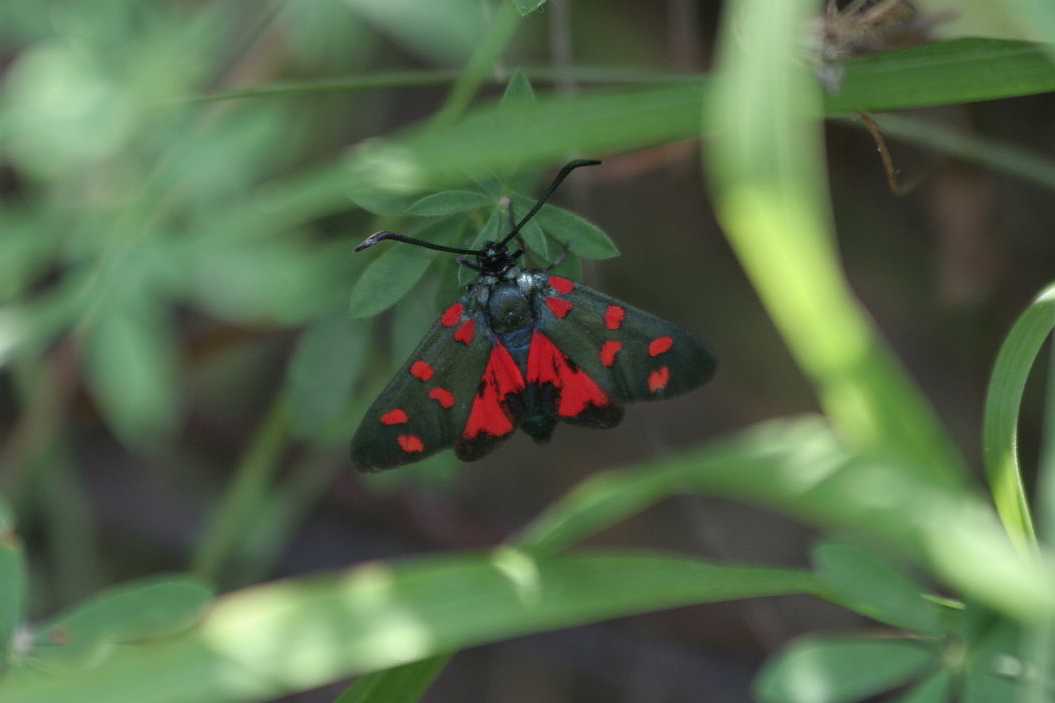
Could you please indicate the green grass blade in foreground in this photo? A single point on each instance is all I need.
(489, 138)
(784, 447)
(1000, 419)
(401, 684)
(956, 71)
(771, 197)
(292, 635)
(801, 469)
(132, 612)
(617, 120)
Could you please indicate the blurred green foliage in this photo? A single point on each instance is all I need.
(178, 175)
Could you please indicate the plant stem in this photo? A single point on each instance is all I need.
(246, 493)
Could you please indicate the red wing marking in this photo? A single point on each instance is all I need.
(489, 413)
(658, 379)
(548, 364)
(608, 351)
(442, 396)
(464, 334)
(410, 443)
(659, 345)
(421, 370)
(395, 416)
(451, 315)
(559, 306)
(561, 284)
(613, 316)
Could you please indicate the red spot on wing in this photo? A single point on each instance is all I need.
(464, 334)
(395, 416)
(659, 345)
(559, 306)
(613, 316)
(442, 396)
(489, 413)
(548, 364)
(451, 315)
(561, 284)
(422, 370)
(658, 379)
(410, 443)
(608, 351)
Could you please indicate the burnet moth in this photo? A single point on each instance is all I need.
(522, 348)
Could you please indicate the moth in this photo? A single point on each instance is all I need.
(526, 348)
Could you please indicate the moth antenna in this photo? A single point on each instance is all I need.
(377, 237)
(396, 236)
(561, 175)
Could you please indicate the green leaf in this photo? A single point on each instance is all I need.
(956, 71)
(876, 588)
(155, 607)
(840, 669)
(132, 368)
(449, 202)
(296, 634)
(396, 270)
(493, 230)
(786, 448)
(535, 240)
(488, 138)
(12, 582)
(1003, 400)
(401, 684)
(518, 90)
(222, 161)
(569, 267)
(381, 202)
(936, 688)
(449, 287)
(446, 32)
(326, 363)
(994, 668)
(583, 237)
(528, 6)
(277, 279)
(518, 95)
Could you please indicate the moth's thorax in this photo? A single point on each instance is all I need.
(510, 299)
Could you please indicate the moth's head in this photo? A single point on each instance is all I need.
(495, 258)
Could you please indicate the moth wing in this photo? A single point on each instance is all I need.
(632, 354)
(492, 417)
(424, 408)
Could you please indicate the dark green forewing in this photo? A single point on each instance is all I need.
(632, 354)
(425, 406)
